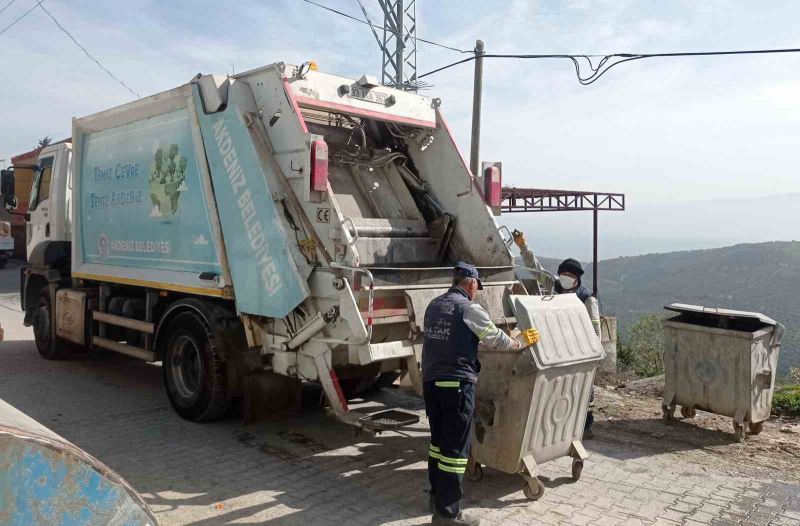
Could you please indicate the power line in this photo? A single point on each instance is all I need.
(351, 17)
(23, 15)
(371, 25)
(7, 5)
(599, 70)
(100, 65)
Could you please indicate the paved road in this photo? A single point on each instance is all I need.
(311, 470)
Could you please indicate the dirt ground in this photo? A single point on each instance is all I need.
(706, 440)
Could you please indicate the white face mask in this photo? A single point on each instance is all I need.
(567, 282)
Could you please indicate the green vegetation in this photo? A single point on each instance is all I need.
(641, 348)
(786, 400)
(793, 250)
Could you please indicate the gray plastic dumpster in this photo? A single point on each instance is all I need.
(531, 404)
(722, 361)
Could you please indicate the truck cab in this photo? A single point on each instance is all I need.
(49, 227)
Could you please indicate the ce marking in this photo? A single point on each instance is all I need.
(323, 215)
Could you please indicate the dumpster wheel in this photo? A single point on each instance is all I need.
(533, 488)
(577, 468)
(738, 432)
(474, 471)
(755, 427)
(688, 412)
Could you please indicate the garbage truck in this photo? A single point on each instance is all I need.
(258, 231)
(272, 227)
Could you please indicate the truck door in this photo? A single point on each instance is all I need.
(38, 230)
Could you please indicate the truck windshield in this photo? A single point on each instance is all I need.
(40, 190)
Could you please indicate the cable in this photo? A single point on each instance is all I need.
(598, 71)
(386, 29)
(101, 66)
(371, 25)
(7, 5)
(23, 15)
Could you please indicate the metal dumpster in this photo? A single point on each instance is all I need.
(46, 480)
(531, 404)
(720, 360)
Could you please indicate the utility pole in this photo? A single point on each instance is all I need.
(475, 145)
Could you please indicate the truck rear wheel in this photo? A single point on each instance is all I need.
(194, 372)
(48, 346)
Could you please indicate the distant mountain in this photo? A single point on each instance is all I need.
(762, 277)
(662, 227)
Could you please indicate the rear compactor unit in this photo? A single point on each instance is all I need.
(531, 404)
(722, 361)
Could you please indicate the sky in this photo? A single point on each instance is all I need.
(663, 131)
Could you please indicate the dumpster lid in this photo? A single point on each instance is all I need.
(719, 312)
(565, 330)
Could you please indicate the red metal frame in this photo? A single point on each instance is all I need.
(538, 200)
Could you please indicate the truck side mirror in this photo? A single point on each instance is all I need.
(7, 188)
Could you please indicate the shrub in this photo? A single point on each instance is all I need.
(641, 349)
(786, 401)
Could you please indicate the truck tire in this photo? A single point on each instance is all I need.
(49, 347)
(194, 373)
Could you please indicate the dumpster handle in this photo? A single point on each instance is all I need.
(549, 278)
(506, 242)
(549, 297)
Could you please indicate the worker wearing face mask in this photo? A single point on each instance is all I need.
(569, 281)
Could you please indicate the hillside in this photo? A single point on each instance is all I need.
(762, 277)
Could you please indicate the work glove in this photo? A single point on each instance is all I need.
(529, 337)
(519, 238)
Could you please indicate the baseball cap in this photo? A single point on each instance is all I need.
(465, 270)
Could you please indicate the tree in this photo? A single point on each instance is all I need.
(159, 158)
(641, 349)
(45, 141)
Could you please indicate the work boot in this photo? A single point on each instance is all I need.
(462, 519)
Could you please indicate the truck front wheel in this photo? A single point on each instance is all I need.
(194, 372)
(47, 345)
